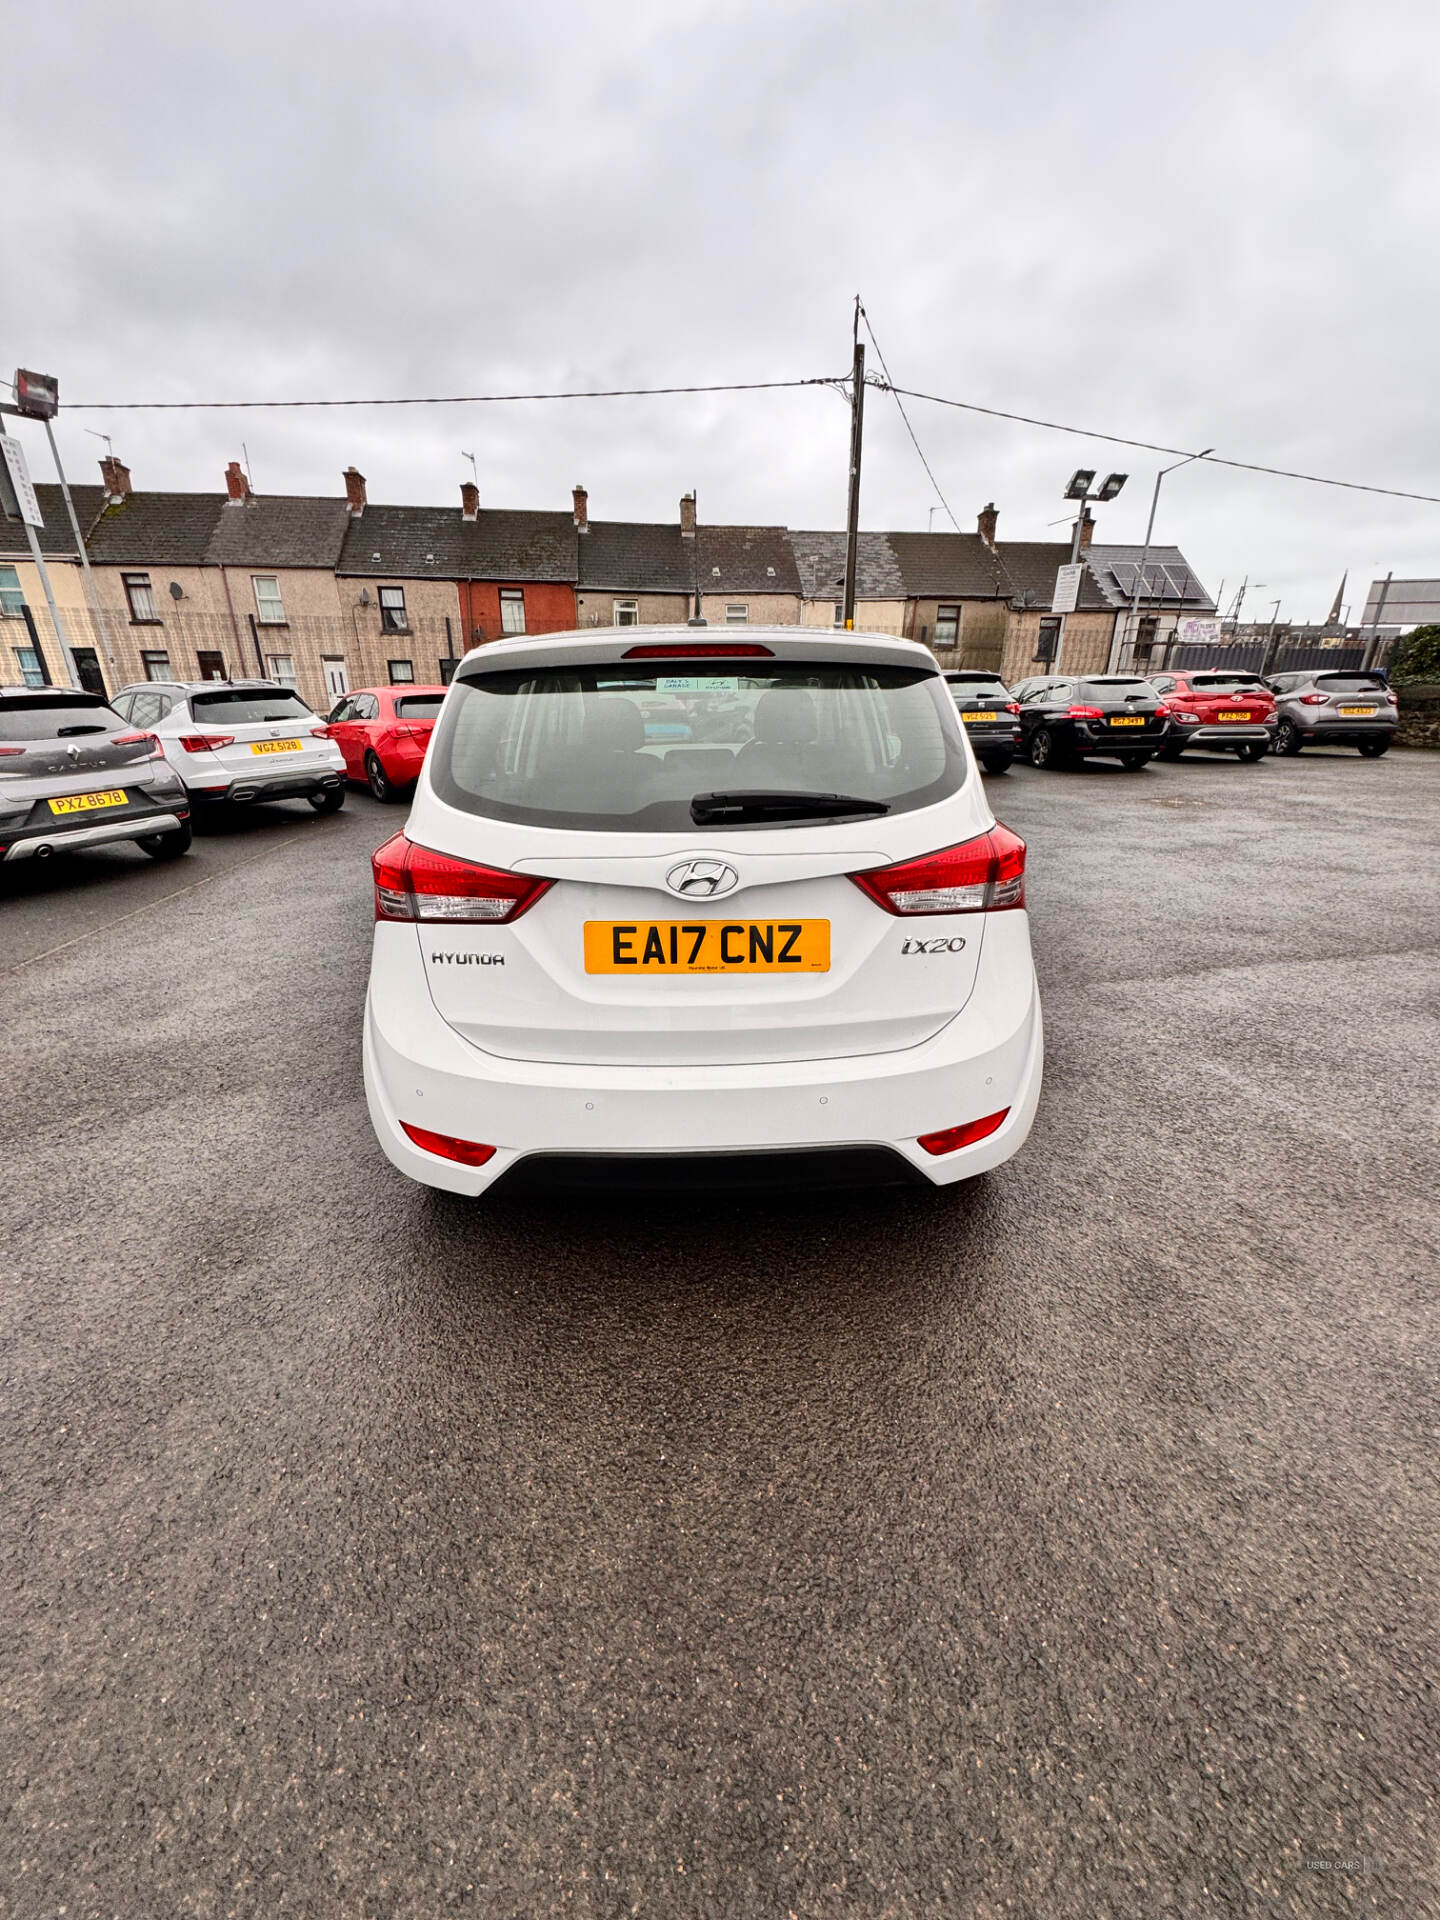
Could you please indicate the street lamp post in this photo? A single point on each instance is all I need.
(1133, 616)
(1079, 491)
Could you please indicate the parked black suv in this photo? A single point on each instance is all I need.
(1068, 717)
(991, 714)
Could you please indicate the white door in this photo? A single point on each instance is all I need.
(337, 680)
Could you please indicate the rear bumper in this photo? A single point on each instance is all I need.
(1122, 740)
(281, 786)
(35, 843)
(418, 1069)
(1346, 736)
(1237, 734)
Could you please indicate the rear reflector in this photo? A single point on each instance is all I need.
(984, 875)
(954, 1138)
(700, 650)
(412, 883)
(469, 1153)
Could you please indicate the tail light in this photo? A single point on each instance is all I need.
(1012, 706)
(1162, 712)
(412, 883)
(206, 742)
(8, 751)
(1314, 699)
(953, 1138)
(1392, 697)
(321, 733)
(984, 875)
(139, 739)
(469, 1153)
(1086, 713)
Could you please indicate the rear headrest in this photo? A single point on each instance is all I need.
(614, 725)
(785, 717)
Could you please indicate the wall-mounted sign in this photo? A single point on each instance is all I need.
(20, 494)
(1067, 588)
(1195, 632)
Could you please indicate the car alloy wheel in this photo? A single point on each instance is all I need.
(1287, 739)
(379, 781)
(1042, 747)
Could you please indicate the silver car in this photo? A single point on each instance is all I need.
(74, 773)
(1338, 708)
(240, 740)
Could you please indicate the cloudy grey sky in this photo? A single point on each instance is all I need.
(1201, 226)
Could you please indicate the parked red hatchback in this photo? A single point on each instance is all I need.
(1221, 712)
(383, 733)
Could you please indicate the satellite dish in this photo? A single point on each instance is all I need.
(364, 596)
(177, 592)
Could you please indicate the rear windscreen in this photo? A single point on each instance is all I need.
(620, 746)
(55, 719)
(1351, 682)
(1115, 690)
(243, 706)
(419, 706)
(1226, 682)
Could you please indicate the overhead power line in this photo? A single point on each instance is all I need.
(1152, 446)
(436, 399)
(894, 392)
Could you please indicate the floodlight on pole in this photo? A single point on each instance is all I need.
(1079, 487)
(1111, 485)
(1132, 619)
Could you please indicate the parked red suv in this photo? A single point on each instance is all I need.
(1221, 712)
(383, 733)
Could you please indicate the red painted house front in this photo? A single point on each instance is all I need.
(493, 608)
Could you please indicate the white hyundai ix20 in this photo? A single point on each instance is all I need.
(729, 910)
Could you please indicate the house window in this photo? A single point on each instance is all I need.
(212, 666)
(1047, 640)
(402, 672)
(947, 626)
(269, 609)
(142, 600)
(737, 613)
(282, 668)
(12, 597)
(393, 618)
(512, 610)
(839, 618)
(87, 667)
(625, 613)
(31, 671)
(156, 665)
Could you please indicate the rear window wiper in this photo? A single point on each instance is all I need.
(762, 803)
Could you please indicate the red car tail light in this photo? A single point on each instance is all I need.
(412, 883)
(1392, 697)
(1086, 713)
(700, 650)
(469, 1153)
(1012, 706)
(320, 733)
(984, 875)
(135, 739)
(1314, 699)
(206, 742)
(1162, 712)
(953, 1138)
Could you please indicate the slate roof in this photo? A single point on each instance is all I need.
(55, 538)
(820, 560)
(155, 530)
(746, 560)
(1031, 566)
(633, 557)
(945, 565)
(280, 530)
(419, 543)
(1169, 577)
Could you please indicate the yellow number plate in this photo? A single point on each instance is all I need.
(707, 946)
(1129, 720)
(274, 746)
(89, 802)
(975, 713)
(1358, 713)
(1232, 716)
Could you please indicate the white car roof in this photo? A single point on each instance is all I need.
(783, 643)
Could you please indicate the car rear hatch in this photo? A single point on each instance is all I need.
(258, 734)
(984, 705)
(692, 895)
(1127, 711)
(1354, 698)
(1228, 700)
(69, 761)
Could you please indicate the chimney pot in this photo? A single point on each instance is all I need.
(116, 476)
(687, 516)
(355, 490)
(986, 523)
(582, 509)
(236, 484)
(469, 500)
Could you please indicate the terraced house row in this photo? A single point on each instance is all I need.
(326, 593)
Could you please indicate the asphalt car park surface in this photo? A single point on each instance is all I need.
(1060, 1545)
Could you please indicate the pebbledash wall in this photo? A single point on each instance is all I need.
(1086, 649)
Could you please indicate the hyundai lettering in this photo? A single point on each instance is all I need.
(777, 937)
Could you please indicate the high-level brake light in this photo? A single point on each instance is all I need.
(412, 883)
(984, 875)
(700, 650)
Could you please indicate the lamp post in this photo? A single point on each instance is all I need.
(1079, 490)
(1132, 618)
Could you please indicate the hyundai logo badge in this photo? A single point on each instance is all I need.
(702, 879)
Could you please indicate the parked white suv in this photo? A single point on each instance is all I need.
(706, 909)
(239, 740)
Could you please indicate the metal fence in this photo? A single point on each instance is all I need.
(1260, 656)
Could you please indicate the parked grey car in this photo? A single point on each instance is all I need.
(1341, 708)
(74, 774)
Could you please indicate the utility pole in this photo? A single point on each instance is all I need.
(857, 424)
(92, 599)
(1132, 621)
(27, 508)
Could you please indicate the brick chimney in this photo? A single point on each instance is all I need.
(1087, 528)
(582, 509)
(238, 485)
(355, 490)
(985, 524)
(116, 476)
(687, 516)
(469, 499)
